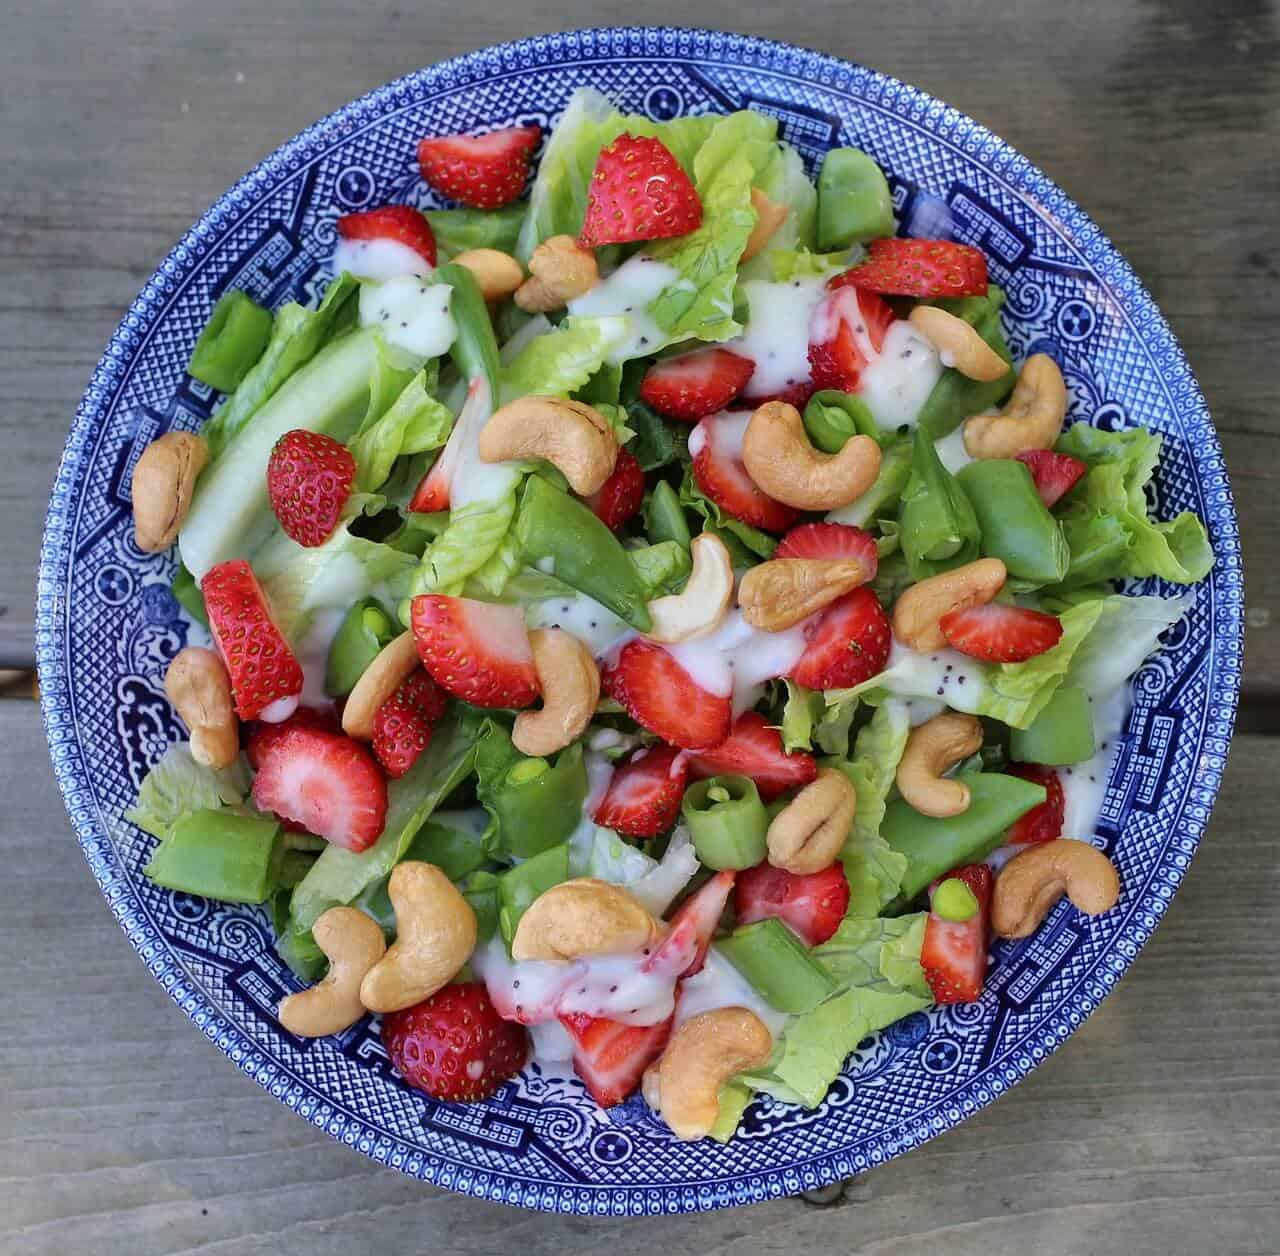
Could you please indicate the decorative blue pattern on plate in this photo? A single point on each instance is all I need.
(108, 626)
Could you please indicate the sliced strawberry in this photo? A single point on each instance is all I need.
(263, 736)
(721, 475)
(404, 722)
(611, 1057)
(695, 384)
(697, 919)
(754, 749)
(954, 953)
(483, 171)
(643, 798)
(262, 667)
(794, 394)
(847, 644)
(638, 191)
(837, 541)
(622, 494)
(477, 651)
(997, 633)
(454, 1045)
(328, 783)
(843, 326)
(309, 478)
(662, 697)
(401, 223)
(1055, 475)
(813, 905)
(433, 493)
(918, 268)
(1042, 823)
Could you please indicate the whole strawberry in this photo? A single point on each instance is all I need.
(309, 478)
(454, 1046)
(638, 191)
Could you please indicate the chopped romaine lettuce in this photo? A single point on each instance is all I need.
(178, 785)
(457, 230)
(414, 423)
(662, 568)
(476, 533)
(563, 360)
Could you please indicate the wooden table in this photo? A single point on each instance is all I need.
(1153, 1130)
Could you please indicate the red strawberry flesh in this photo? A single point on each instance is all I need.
(997, 633)
(1043, 823)
(812, 905)
(400, 223)
(954, 953)
(638, 191)
(754, 749)
(918, 268)
(476, 651)
(481, 171)
(643, 798)
(661, 696)
(848, 643)
(694, 385)
(309, 479)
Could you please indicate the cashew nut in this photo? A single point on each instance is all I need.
(1032, 419)
(393, 664)
(435, 935)
(200, 690)
(570, 683)
(497, 274)
(569, 434)
(704, 1053)
(700, 607)
(164, 481)
(782, 462)
(354, 944)
(933, 748)
(583, 917)
(769, 217)
(783, 591)
(1030, 883)
(958, 344)
(561, 269)
(918, 610)
(806, 836)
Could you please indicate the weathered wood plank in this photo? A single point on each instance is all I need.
(1152, 1131)
(159, 115)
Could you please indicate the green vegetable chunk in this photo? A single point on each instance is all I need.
(187, 592)
(556, 530)
(934, 846)
(831, 417)
(854, 203)
(953, 900)
(955, 398)
(882, 498)
(221, 855)
(1016, 524)
(937, 524)
(232, 341)
(1062, 733)
(481, 890)
(664, 517)
(519, 886)
(538, 804)
(365, 630)
(727, 821)
(778, 965)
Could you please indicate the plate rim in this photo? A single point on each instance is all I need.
(168, 281)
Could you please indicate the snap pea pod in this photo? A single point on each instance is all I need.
(937, 525)
(364, 631)
(882, 498)
(220, 854)
(955, 398)
(934, 846)
(475, 349)
(519, 886)
(1016, 524)
(664, 518)
(187, 592)
(831, 417)
(778, 965)
(854, 202)
(558, 531)
(231, 343)
(538, 804)
(481, 890)
(1062, 733)
(727, 821)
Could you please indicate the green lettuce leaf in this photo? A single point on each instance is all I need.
(562, 361)
(177, 785)
(1106, 519)
(457, 230)
(663, 568)
(476, 533)
(1127, 631)
(656, 442)
(800, 712)
(416, 422)
(883, 953)
(296, 336)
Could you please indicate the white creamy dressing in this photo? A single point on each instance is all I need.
(278, 711)
(313, 654)
(552, 1043)
(1084, 784)
(945, 676)
(469, 478)
(900, 377)
(922, 710)
(737, 658)
(720, 984)
(629, 292)
(951, 451)
(410, 314)
(597, 627)
(378, 260)
(776, 338)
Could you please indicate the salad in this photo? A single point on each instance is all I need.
(654, 628)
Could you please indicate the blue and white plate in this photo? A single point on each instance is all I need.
(107, 624)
